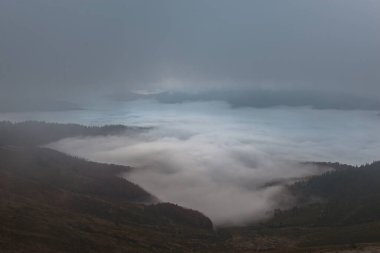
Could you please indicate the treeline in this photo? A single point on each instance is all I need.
(33, 133)
(344, 196)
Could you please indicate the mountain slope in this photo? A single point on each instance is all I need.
(347, 195)
(33, 133)
(51, 202)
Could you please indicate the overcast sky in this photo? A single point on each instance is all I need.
(319, 53)
(76, 47)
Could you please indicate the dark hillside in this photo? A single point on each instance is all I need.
(50, 202)
(32, 133)
(53, 169)
(341, 206)
(345, 196)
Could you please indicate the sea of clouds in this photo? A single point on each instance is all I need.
(231, 164)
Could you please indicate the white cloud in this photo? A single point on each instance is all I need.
(218, 160)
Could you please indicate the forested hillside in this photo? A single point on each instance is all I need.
(34, 133)
(344, 196)
(51, 202)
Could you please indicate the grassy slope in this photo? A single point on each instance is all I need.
(51, 202)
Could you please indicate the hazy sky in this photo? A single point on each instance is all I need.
(245, 53)
(77, 47)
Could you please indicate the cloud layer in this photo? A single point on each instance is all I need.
(71, 49)
(225, 179)
(230, 164)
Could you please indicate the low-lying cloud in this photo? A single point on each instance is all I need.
(224, 179)
(231, 164)
(260, 98)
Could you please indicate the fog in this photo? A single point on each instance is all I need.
(237, 92)
(72, 50)
(232, 164)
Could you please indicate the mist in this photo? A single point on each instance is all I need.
(230, 163)
(239, 125)
(238, 93)
(75, 50)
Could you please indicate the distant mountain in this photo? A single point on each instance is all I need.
(262, 98)
(34, 133)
